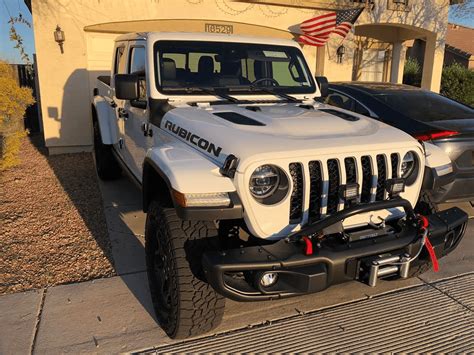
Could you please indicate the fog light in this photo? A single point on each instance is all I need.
(349, 192)
(269, 279)
(395, 187)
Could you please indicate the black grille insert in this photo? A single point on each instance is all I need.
(366, 179)
(296, 201)
(351, 174)
(333, 188)
(394, 159)
(381, 177)
(316, 190)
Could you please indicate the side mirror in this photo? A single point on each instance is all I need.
(126, 86)
(323, 85)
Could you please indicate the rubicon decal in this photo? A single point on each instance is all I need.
(189, 136)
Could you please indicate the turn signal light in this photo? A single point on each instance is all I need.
(435, 135)
(213, 199)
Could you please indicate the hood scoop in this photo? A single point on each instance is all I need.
(239, 119)
(343, 115)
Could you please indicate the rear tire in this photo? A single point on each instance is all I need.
(106, 165)
(185, 304)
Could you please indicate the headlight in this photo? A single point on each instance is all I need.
(268, 184)
(264, 181)
(408, 165)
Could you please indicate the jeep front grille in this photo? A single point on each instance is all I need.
(325, 178)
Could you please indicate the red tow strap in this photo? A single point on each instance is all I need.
(428, 245)
(308, 248)
(434, 259)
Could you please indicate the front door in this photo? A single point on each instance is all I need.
(137, 139)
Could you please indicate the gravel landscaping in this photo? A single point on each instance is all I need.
(53, 229)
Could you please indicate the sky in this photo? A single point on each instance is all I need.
(15, 7)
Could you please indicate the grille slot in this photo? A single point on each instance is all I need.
(366, 179)
(296, 201)
(351, 174)
(315, 190)
(333, 189)
(381, 177)
(394, 159)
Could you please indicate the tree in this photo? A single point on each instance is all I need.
(457, 83)
(13, 103)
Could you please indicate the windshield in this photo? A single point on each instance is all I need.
(237, 67)
(425, 106)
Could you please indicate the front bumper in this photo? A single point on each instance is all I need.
(235, 273)
(459, 190)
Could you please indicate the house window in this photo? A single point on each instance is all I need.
(399, 5)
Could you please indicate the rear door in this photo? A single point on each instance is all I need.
(137, 137)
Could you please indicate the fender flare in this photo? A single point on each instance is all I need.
(106, 119)
(438, 168)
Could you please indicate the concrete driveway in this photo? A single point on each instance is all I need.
(115, 314)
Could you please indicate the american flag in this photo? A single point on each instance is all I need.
(316, 31)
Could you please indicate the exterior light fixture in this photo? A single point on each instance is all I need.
(341, 50)
(59, 37)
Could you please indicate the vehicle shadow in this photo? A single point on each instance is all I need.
(112, 213)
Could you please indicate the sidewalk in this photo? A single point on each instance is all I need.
(115, 314)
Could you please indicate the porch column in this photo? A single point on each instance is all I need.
(398, 62)
(432, 65)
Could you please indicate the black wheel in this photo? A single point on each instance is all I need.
(105, 163)
(185, 304)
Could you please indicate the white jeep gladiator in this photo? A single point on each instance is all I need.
(253, 189)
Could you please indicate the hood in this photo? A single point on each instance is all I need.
(284, 129)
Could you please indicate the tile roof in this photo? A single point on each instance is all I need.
(461, 38)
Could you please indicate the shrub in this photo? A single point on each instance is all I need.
(13, 102)
(412, 72)
(457, 83)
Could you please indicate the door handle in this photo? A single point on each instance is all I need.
(122, 113)
(147, 131)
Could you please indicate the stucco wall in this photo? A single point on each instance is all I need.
(66, 80)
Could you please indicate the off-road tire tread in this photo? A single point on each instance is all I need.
(199, 308)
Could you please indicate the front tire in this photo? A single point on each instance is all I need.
(185, 304)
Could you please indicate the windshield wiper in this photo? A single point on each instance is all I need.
(273, 92)
(214, 92)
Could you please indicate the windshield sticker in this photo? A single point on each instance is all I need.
(275, 54)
